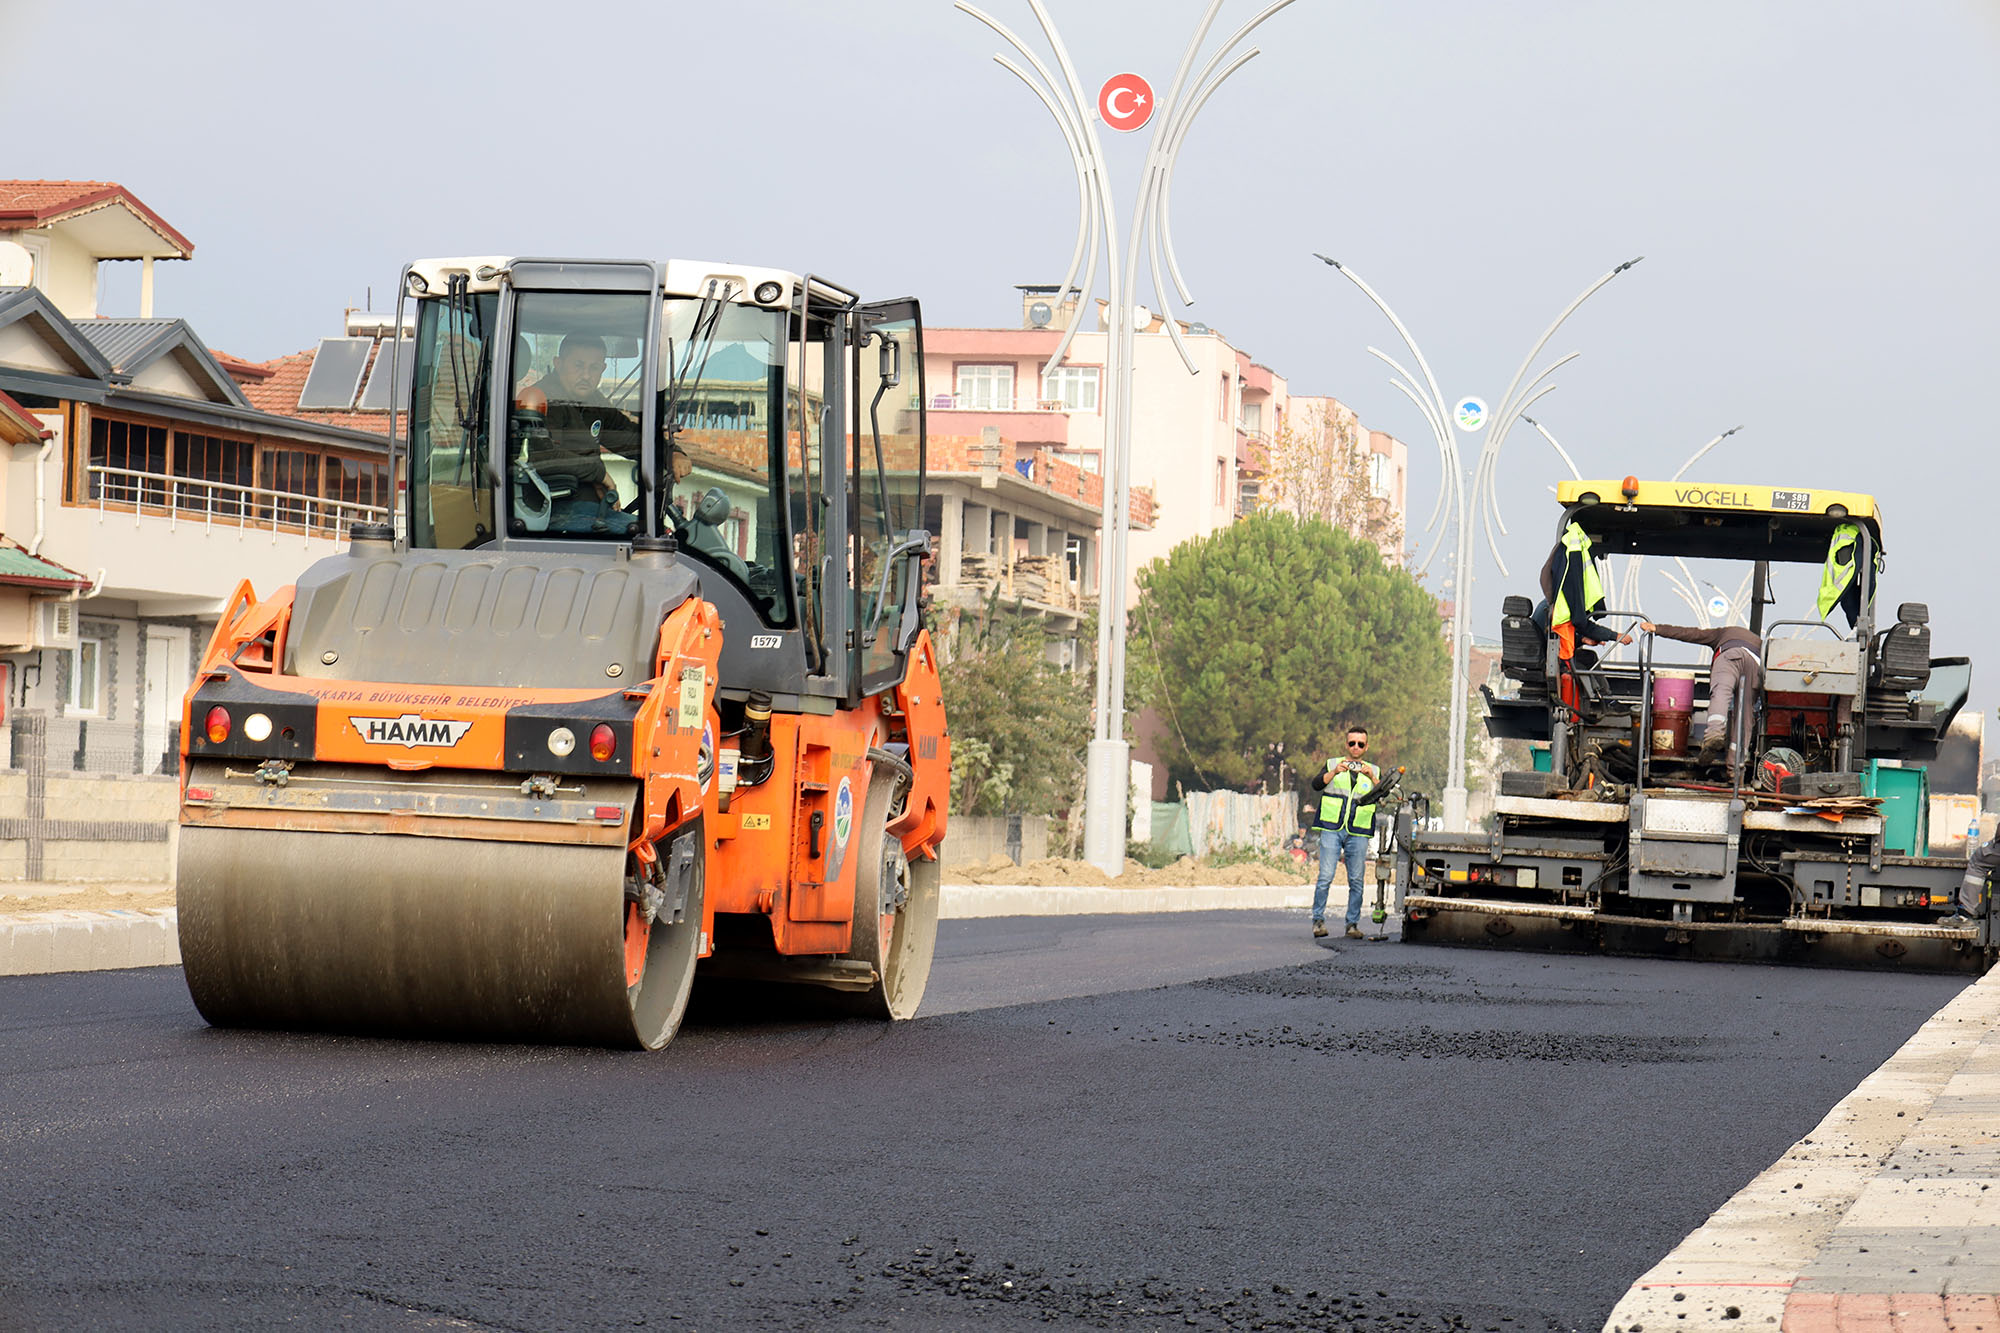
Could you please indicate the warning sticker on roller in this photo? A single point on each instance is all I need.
(691, 691)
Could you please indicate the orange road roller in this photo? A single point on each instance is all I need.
(634, 690)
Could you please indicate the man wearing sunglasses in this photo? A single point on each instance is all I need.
(1346, 825)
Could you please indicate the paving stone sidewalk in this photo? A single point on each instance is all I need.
(1885, 1219)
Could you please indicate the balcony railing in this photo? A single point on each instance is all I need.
(957, 402)
(222, 504)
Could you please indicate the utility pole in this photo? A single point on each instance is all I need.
(1457, 502)
(1124, 102)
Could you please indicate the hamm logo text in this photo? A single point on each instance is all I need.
(410, 730)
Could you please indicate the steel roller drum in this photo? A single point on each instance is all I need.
(409, 935)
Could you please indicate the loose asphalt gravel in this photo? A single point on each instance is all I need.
(1202, 1121)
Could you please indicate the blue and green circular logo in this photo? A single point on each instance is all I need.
(843, 813)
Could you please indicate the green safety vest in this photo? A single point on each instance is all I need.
(1336, 803)
(1837, 574)
(1577, 543)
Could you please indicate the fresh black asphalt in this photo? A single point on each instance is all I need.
(1202, 1121)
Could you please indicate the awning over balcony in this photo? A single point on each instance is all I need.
(21, 570)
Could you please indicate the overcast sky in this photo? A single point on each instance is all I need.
(1812, 184)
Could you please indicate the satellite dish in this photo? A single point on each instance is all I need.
(17, 266)
(1141, 317)
(1039, 314)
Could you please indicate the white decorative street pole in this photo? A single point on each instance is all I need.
(1122, 103)
(1457, 503)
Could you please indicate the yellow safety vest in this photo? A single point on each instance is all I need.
(1837, 574)
(1577, 543)
(1336, 803)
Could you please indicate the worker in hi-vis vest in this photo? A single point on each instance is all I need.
(1346, 824)
(1839, 578)
(1573, 593)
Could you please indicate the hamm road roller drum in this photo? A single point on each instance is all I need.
(423, 935)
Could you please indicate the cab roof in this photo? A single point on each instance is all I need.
(681, 277)
(1710, 520)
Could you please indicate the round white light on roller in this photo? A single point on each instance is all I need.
(257, 726)
(561, 741)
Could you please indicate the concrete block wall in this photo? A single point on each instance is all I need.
(973, 840)
(104, 827)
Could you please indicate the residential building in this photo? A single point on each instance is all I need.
(1195, 437)
(1321, 425)
(145, 483)
(1018, 526)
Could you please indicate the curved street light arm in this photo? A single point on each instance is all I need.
(1561, 452)
(1501, 416)
(1696, 456)
(1692, 592)
(1502, 426)
(1434, 413)
(1489, 468)
(1172, 160)
(1437, 417)
(1077, 134)
(1087, 219)
(1383, 306)
(1450, 479)
(1152, 225)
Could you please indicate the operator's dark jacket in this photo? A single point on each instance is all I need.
(572, 450)
(1564, 571)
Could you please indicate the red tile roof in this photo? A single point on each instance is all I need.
(273, 386)
(38, 203)
(240, 370)
(14, 419)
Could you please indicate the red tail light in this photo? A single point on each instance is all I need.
(218, 724)
(603, 742)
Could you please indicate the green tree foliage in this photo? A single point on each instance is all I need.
(1272, 636)
(1019, 724)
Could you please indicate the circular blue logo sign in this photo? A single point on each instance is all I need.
(843, 813)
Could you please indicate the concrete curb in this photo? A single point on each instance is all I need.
(1787, 1250)
(37, 942)
(32, 943)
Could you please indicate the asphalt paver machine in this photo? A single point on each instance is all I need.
(1624, 839)
(635, 687)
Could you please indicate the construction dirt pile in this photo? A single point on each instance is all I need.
(1186, 872)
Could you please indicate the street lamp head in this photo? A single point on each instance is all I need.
(1324, 260)
(1627, 264)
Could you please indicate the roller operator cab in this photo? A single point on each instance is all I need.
(636, 688)
(1800, 839)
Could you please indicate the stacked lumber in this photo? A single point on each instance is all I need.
(980, 569)
(1038, 578)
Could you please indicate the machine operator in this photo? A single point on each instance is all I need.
(580, 424)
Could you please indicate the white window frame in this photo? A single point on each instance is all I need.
(985, 386)
(77, 707)
(1250, 416)
(1074, 386)
(38, 258)
(1382, 476)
